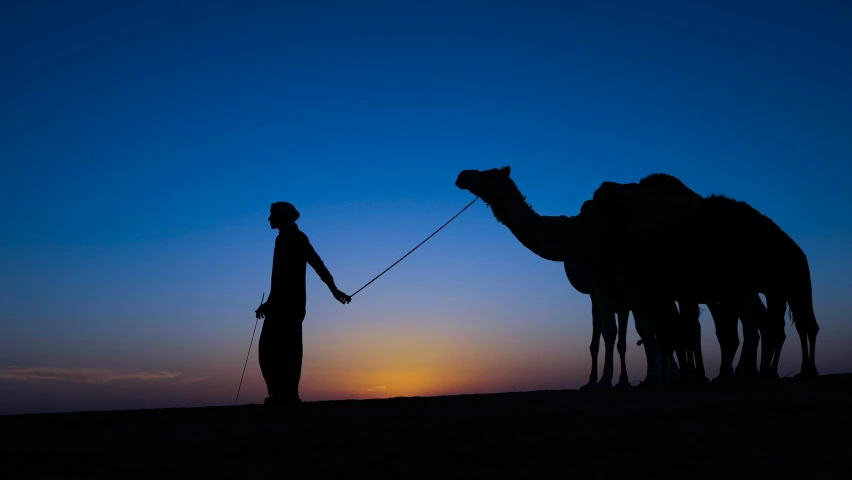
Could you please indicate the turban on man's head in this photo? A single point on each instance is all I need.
(285, 210)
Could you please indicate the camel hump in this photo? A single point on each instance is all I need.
(653, 205)
(609, 192)
(749, 219)
(649, 208)
(661, 179)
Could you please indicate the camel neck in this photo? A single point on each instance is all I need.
(555, 238)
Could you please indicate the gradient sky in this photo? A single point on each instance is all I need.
(142, 142)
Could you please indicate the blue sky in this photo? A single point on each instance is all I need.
(143, 142)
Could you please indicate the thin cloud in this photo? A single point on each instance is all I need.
(193, 380)
(94, 376)
(378, 388)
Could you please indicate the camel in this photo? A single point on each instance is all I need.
(688, 333)
(662, 231)
(579, 278)
(725, 319)
(637, 225)
(532, 227)
(685, 333)
(560, 239)
(724, 316)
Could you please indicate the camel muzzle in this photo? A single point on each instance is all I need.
(462, 182)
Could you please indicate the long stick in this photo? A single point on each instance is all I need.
(262, 297)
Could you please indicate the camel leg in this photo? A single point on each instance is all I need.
(623, 315)
(812, 334)
(747, 366)
(725, 320)
(803, 339)
(673, 368)
(767, 343)
(700, 374)
(609, 332)
(645, 329)
(807, 327)
(779, 343)
(669, 341)
(689, 361)
(679, 346)
(774, 336)
(749, 316)
(643, 320)
(689, 313)
(671, 372)
(663, 358)
(594, 347)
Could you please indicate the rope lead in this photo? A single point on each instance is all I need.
(418, 246)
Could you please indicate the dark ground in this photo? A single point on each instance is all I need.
(786, 430)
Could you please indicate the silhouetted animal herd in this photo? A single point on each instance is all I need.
(658, 249)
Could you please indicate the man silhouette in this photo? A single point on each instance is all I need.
(280, 344)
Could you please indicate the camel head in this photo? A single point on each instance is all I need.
(488, 185)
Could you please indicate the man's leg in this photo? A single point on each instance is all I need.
(269, 349)
(293, 356)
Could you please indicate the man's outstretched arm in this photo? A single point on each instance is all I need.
(317, 264)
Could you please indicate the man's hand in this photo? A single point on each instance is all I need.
(340, 296)
(261, 311)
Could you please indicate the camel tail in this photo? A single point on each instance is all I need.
(800, 299)
(800, 290)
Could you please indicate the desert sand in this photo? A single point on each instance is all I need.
(788, 429)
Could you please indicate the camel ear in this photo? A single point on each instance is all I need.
(506, 170)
